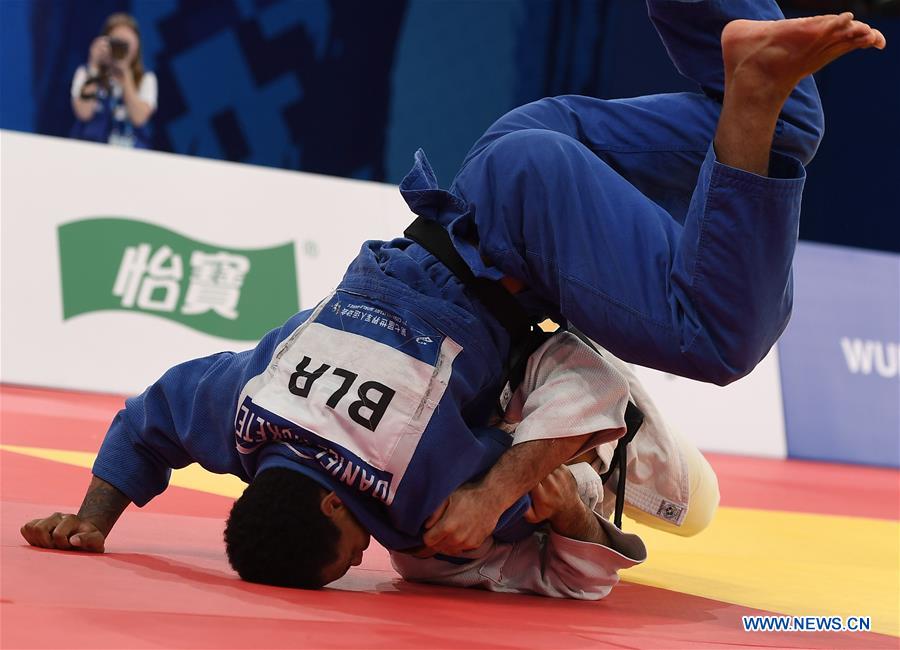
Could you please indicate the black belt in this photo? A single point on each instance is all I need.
(525, 336)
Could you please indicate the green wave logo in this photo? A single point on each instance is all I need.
(128, 265)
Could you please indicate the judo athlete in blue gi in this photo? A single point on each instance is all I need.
(662, 227)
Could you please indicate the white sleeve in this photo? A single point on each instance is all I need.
(546, 563)
(147, 90)
(81, 75)
(568, 390)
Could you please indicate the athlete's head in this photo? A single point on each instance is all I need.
(288, 531)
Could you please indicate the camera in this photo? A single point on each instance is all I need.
(118, 48)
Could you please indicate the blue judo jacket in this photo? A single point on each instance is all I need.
(375, 394)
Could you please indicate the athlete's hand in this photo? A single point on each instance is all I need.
(463, 521)
(555, 497)
(66, 532)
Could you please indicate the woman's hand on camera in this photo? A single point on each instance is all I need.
(99, 52)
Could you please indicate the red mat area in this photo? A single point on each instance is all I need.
(165, 582)
(807, 486)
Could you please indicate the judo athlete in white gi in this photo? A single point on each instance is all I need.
(670, 485)
(662, 227)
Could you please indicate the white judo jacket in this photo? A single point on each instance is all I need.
(569, 389)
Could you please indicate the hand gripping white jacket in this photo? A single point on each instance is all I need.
(569, 390)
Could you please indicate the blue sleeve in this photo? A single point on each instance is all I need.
(186, 416)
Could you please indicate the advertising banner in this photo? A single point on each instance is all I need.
(118, 264)
(125, 264)
(840, 357)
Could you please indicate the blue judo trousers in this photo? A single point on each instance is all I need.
(618, 214)
(615, 214)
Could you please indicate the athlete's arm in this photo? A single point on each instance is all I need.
(577, 555)
(471, 513)
(570, 397)
(186, 416)
(164, 428)
(86, 531)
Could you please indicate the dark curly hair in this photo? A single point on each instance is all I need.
(277, 533)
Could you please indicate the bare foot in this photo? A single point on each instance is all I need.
(764, 60)
(779, 53)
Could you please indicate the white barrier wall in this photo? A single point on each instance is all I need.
(48, 182)
(746, 417)
(156, 249)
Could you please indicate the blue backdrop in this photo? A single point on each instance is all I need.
(353, 87)
(840, 357)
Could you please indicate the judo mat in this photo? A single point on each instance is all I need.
(792, 537)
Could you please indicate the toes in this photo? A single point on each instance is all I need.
(857, 29)
(860, 43)
(867, 37)
(840, 22)
(860, 32)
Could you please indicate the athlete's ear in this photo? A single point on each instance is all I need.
(331, 504)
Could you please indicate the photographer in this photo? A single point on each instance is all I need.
(113, 97)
